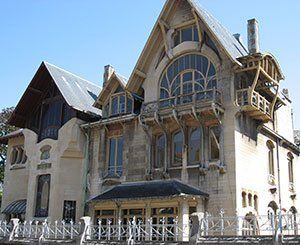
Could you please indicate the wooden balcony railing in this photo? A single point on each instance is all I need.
(254, 103)
(198, 99)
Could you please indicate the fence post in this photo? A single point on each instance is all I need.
(163, 221)
(119, 229)
(195, 229)
(176, 229)
(99, 229)
(15, 223)
(87, 229)
(222, 221)
(71, 227)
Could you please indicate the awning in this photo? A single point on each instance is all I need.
(16, 207)
(150, 189)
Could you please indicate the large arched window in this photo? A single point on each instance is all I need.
(188, 75)
(160, 151)
(177, 148)
(195, 146)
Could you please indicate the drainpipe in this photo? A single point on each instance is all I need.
(86, 168)
(278, 143)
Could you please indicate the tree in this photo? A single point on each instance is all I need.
(4, 130)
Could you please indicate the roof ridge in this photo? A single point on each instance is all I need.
(64, 70)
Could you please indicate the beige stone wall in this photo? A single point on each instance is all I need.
(15, 178)
(67, 160)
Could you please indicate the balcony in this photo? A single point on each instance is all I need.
(254, 104)
(183, 104)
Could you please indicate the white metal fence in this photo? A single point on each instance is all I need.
(161, 231)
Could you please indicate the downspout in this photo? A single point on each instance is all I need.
(278, 143)
(86, 168)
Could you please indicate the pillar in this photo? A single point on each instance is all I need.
(184, 221)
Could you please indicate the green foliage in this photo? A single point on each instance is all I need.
(4, 129)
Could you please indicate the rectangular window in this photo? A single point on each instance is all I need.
(291, 170)
(115, 161)
(69, 213)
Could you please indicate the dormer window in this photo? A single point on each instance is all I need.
(189, 33)
(119, 104)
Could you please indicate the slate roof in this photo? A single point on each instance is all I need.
(79, 93)
(297, 137)
(122, 79)
(149, 189)
(233, 47)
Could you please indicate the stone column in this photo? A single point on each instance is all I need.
(184, 221)
(147, 221)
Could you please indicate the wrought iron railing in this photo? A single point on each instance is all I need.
(195, 98)
(245, 97)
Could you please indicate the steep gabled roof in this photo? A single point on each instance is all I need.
(78, 93)
(231, 46)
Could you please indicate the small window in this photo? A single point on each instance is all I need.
(177, 148)
(214, 139)
(244, 199)
(256, 202)
(160, 151)
(250, 199)
(195, 146)
(119, 104)
(291, 168)
(186, 34)
(271, 147)
(45, 152)
(18, 155)
(69, 213)
(115, 161)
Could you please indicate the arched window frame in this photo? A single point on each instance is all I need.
(174, 89)
(157, 150)
(244, 199)
(42, 180)
(174, 162)
(191, 131)
(255, 198)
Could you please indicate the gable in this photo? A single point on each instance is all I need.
(174, 13)
(76, 92)
(115, 84)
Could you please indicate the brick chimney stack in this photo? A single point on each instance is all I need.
(108, 72)
(253, 36)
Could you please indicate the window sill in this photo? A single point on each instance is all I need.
(16, 167)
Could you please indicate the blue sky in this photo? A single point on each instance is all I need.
(84, 35)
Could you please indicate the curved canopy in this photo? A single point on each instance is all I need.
(16, 207)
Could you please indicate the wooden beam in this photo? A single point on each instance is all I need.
(201, 40)
(164, 34)
(34, 90)
(140, 74)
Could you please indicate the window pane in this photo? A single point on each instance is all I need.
(42, 196)
(112, 154)
(69, 213)
(114, 106)
(120, 156)
(129, 105)
(122, 104)
(195, 146)
(187, 34)
(196, 35)
(160, 152)
(177, 148)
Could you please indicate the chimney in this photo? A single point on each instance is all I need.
(108, 71)
(253, 36)
(285, 92)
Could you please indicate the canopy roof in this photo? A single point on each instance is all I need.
(16, 207)
(150, 189)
